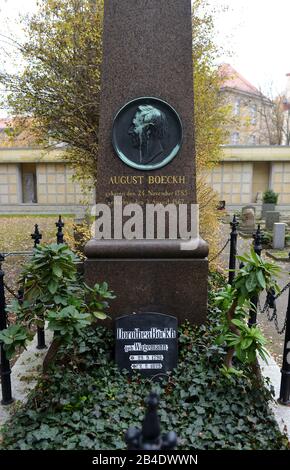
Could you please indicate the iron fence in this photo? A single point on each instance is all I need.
(270, 304)
(36, 236)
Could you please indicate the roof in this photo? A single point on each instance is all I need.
(257, 153)
(30, 155)
(233, 79)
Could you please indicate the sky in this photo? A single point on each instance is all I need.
(258, 34)
(255, 31)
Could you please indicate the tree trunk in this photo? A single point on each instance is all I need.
(51, 353)
(256, 369)
(234, 329)
(229, 358)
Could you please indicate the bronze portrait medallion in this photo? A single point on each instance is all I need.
(147, 133)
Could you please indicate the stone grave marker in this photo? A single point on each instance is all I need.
(147, 157)
(248, 220)
(249, 206)
(272, 217)
(279, 231)
(146, 343)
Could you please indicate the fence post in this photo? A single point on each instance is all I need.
(40, 338)
(5, 365)
(284, 398)
(258, 241)
(233, 249)
(254, 300)
(59, 234)
(149, 437)
(37, 236)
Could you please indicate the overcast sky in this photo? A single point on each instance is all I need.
(256, 31)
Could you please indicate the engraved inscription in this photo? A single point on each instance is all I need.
(146, 342)
(137, 179)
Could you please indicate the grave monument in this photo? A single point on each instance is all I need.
(147, 157)
(279, 233)
(247, 224)
(272, 217)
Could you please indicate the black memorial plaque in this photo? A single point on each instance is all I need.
(146, 343)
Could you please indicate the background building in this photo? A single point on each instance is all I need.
(250, 108)
(37, 181)
(245, 172)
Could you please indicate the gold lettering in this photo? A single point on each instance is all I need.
(126, 179)
(150, 179)
(166, 179)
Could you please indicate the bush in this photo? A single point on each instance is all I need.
(270, 197)
(53, 292)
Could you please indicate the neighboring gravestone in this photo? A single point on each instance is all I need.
(272, 217)
(267, 207)
(146, 155)
(279, 231)
(146, 343)
(249, 206)
(247, 224)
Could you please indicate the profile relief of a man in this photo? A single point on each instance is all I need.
(148, 129)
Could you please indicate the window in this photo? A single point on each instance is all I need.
(29, 193)
(237, 107)
(235, 138)
(253, 114)
(252, 139)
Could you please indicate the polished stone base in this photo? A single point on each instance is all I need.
(173, 286)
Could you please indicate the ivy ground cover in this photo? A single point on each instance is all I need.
(84, 402)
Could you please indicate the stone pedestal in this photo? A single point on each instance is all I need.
(162, 279)
(267, 207)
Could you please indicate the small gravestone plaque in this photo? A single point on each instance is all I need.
(146, 343)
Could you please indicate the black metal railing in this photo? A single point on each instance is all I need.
(233, 241)
(5, 364)
(149, 437)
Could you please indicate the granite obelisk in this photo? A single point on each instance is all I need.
(147, 156)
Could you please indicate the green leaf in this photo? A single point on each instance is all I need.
(100, 315)
(246, 343)
(52, 286)
(261, 279)
(57, 271)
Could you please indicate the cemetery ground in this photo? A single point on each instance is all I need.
(84, 402)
